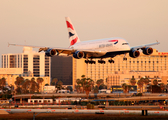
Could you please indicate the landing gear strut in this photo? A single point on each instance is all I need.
(124, 57)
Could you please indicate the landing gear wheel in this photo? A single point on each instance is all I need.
(101, 61)
(124, 58)
(90, 62)
(111, 61)
(86, 61)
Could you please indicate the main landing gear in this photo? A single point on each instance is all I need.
(111, 61)
(101, 61)
(90, 62)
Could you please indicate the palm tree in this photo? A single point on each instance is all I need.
(19, 81)
(83, 80)
(83, 76)
(133, 81)
(99, 82)
(34, 87)
(146, 81)
(96, 90)
(39, 81)
(155, 82)
(26, 86)
(59, 84)
(91, 83)
(87, 89)
(78, 88)
(54, 81)
(140, 84)
(162, 86)
(124, 86)
(78, 81)
(2, 83)
(12, 87)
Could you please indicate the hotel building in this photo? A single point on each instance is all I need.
(27, 64)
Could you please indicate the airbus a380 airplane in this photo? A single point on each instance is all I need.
(100, 48)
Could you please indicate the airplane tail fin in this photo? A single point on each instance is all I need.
(73, 37)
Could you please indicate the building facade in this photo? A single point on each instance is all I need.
(61, 68)
(32, 63)
(120, 78)
(29, 64)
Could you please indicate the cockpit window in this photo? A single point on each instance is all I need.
(125, 44)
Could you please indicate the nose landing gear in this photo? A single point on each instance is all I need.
(124, 58)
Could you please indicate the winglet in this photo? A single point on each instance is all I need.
(73, 37)
(157, 42)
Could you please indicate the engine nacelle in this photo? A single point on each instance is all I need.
(147, 51)
(78, 54)
(50, 52)
(134, 53)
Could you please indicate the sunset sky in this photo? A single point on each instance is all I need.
(42, 22)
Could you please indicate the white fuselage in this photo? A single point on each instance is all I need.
(108, 45)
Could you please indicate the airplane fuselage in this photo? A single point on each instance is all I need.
(108, 47)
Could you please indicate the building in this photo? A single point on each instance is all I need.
(32, 63)
(119, 78)
(61, 68)
(27, 64)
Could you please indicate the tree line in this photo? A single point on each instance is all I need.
(86, 85)
(143, 81)
(22, 86)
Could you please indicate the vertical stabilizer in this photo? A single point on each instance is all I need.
(73, 37)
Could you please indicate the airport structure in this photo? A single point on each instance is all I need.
(28, 64)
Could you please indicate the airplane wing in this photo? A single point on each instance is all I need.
(145, 45)
(68, 51)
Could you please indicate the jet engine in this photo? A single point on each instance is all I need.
(134, 53)
(50, 52)
(147, 51)
(78, 54)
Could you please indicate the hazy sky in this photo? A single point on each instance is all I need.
(42, 22)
